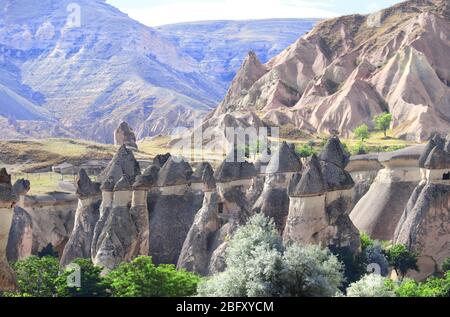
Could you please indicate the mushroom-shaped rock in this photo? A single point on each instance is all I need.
(334, 152)
(284, 160)
(148, 179)
(311, 183)
(21, 187)
(123, 163)
(175, 172)
(86, 218)
(85, 187)
(161, 159)
(124, 135)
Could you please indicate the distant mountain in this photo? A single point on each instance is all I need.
(221, 46)
(58, 79)
(348, 70)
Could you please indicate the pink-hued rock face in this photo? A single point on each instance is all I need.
(348, 70)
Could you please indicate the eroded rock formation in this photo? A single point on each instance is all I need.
(320, 201)
(7, 202)
(378, 212)
(425, 224)
(86, 217)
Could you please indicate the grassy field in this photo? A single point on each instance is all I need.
(33, 159)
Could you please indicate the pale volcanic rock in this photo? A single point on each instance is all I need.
(7, 201)
(378, 212)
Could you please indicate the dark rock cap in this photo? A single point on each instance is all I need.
(438, 159)
(208, 177)
(85, 187)
(123, 163)
(161, 159)
(435, 141)
(176, 171)
(284, 160)
(124, 184)
(334, 152)
(311, 183)
(6, 191)
(197, 176)
(232, 171)
(148, 179)
(336, 178)
(21, 187)
(124, 135)
(108, 184)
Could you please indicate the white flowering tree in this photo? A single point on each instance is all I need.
(258, 265)
(372, 285)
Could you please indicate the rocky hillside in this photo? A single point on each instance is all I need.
(221, 46)
(351, 68)
(106, 70)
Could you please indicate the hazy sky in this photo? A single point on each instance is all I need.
(159, 12)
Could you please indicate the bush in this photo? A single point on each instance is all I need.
(372, 285)
(402, 260)
(362, 132)
(433, 287)
(141, 278)
(359, 149)
(306, 151)
(36, 276)
(92, 284)
(259, 266)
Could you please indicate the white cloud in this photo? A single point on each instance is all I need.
(196, 10)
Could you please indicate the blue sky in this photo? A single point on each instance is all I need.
(159, 12)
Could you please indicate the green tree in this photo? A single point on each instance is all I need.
(306, 151)
(36, 276)
(359, 148)
(383, 122)
(141, 278)
(92, 284)
(362, 132)
(402, 259)
(433, 287)
(258, 265)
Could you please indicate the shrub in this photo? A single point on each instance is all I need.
(92, 284)
(142, 278)
(372, 285)
(36, 276)
(358, 149)
(402, 259)
(362, 132)
(306, 151)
